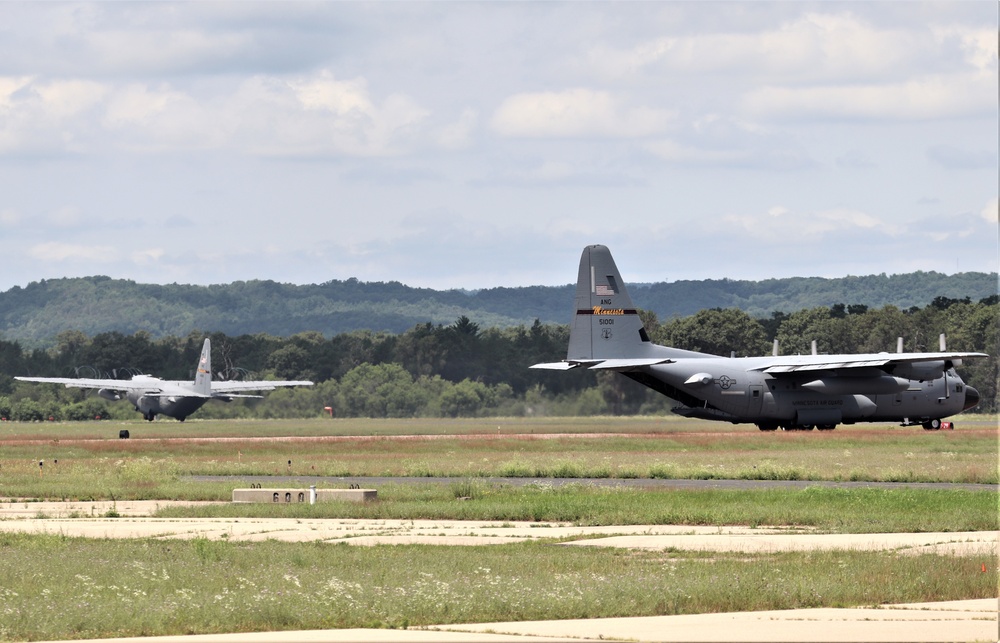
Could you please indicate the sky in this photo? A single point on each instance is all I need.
(482, 144)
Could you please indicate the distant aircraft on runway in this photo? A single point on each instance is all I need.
(152, 396)
(793, 392)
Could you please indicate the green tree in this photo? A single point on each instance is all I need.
(719, 332)
(365, 390)
(464, 399)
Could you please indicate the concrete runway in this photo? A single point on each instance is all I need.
(975, 620)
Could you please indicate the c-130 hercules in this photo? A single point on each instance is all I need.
(152, 396)
(792, 392)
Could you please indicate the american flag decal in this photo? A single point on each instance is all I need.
(602, 290)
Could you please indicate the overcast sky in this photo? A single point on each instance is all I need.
(472, 145)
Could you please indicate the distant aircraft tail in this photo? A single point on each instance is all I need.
(203, 376)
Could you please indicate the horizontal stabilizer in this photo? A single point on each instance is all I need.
(175, 394)
(635, 362)
(565, 365)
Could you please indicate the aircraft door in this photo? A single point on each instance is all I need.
(755, 399)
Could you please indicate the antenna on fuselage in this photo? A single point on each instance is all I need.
(899, 344)
(942, 343)
(814, 351)
(774, 350)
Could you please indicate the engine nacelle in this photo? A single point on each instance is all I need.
(109, 394)
(846, 385)
(922, 371)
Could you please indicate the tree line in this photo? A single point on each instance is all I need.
(463, 370)
(38, 312)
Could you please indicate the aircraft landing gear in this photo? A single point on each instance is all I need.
(149, 416)
(768, 426)
(932, 425)
(826, 427)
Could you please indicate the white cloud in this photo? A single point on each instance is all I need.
(64, 99)
(459, 134)
(778, 222)
(991, 213)
(815, 47)
(576, 113)
(323, 92)
(8, 86)
(66, 217)
(938, 97)
(59, 251)
(9, 218)
(319, 115)
(38, 115)
(147, 256)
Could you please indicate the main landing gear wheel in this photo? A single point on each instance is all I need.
(767, 426)
(826, 427)
(932, 425)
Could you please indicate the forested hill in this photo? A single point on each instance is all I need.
(35, 314)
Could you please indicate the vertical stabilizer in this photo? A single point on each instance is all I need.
(203, 376)
(606, 323)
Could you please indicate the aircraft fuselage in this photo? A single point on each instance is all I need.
(730, 389)
(175, 406)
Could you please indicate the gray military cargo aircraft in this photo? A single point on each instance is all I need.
(152, 396)
(793, 392)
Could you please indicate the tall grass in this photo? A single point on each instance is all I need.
(857, 510)
(154, 468)
(113, 588)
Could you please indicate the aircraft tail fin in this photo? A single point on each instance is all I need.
(203, 375)
(606, 323)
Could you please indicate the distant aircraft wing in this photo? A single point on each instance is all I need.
(234, 388)
(149, 386)
(112, 385)
(603, 364)
(798, 363)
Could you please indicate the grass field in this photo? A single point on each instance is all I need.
(53, 587)
(103, 588)
(573, 448)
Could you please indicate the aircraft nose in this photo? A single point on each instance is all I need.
(971, 398)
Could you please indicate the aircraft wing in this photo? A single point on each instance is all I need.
(798, 363)
(603, 364)
(233, 388)
(111, 385)
(149, 386)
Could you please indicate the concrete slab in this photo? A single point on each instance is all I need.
(953, 621)
(948, 543)
(343, 636)
(974, 620)
(38, 519)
